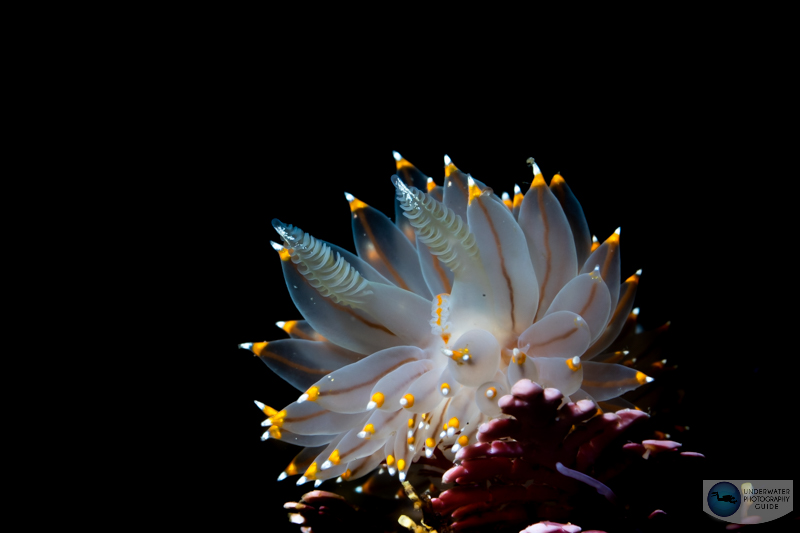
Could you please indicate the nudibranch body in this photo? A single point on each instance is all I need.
(407, 346)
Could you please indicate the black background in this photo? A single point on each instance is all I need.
(691, 178)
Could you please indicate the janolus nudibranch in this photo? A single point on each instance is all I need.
(407, 346)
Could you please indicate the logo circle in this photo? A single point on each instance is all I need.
(724, 499)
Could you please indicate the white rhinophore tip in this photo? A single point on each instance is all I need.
(489, 393)
(451, 431)
(280, 323)
(326, 465)
(635, 311)
(392, 470)
(246, 345)
(443, 434)
(594, 238)
(505, 196)
(515, 352)
(349, 197)
(445, 391)
(339, 479)
(649, 379)
(465, 357)
(639, 272)
(428, 452)
(362, 434)
(266, 423)
(447, 352)
(536, 169)
(430, 180)
(411, 448)
(421, 424)
(302, 398)
(402, 476)
(663, 361)
(455, 447)
(275, 246)
(371, 405)
(359, 489)
(625, 352)
(404, 402)
(282, 476)
(470, 181)
(618, 230)
(447, 160)
(396, 155)
(410, 433)
(302, 480)
(265, 436)
(576, 360)
(517, 190)
(260, 405)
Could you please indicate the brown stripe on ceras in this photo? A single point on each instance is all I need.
(612, 248)
(589, 300)
(271, 355)
(365, 383)
(388, 264)
(560, 337)
(546, 224)
(496, 238)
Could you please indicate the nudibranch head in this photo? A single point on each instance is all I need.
(406, 347)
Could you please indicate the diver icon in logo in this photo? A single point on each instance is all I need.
(727, 498)
(724, 499)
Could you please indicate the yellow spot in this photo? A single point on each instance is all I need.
(369, 428)
(277, 418)
(356, 204)
(431, 184)
(284, 254)
(518, 199)
(409, 398)
(334, 457)
(572, 366)
(493, 394)
(401, 464)
(313, 393)
(599, 412)
(633, 279)
(508, 203)
(425, 416)
(311, 471)
(595, 246)
(430, 443)
(269, 411)
(450, 169)
(291, 469)
(346, 474)
(558, 179)
(389, 460)
(613, 239)
(474, 192)
(258, 347)
(641, 377)
(444, 386)
(410, 423)
(275, 432)
(538, 181)
(520, 358)
(403, 163)
(463, 440)
(453, 422)
(595, 275)
(378, 398)
(289, 325)
(444, 426)
(410, 440)
(446, 337)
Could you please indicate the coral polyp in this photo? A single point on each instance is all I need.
(405, 349)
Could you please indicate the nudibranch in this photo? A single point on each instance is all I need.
(407, 346)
